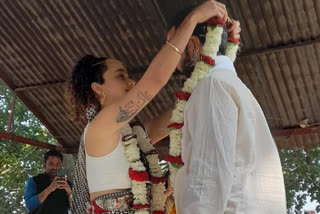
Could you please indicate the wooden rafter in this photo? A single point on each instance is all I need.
(296, 131)
(23, 140)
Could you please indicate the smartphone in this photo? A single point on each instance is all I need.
(61, 173)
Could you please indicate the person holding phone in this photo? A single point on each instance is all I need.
(49, 192)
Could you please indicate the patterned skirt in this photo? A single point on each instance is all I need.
(113, 203)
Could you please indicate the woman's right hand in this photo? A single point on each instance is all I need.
(210, 9)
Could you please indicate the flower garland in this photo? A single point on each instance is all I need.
(202, 67)
(133, 139)
(232, 48)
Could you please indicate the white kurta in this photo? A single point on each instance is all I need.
(232, 165)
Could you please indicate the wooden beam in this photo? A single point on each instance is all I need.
(279, 48)
(53, 84)
(23, 140)
(296, 131)
(30, 105)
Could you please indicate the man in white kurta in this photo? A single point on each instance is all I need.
(231, 162)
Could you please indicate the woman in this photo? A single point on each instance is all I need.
(104, 84)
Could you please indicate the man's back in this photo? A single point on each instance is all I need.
(231, 161)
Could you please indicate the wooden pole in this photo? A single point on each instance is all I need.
(10, 119)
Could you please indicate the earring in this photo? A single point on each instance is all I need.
(102, 99)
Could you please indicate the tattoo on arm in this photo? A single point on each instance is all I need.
(130, 109)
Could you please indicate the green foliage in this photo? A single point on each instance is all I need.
(18, 161)
(301, 169)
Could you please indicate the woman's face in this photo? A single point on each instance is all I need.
(116, 81)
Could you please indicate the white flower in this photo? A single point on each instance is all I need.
(232, 50)
(175, 142)
(173, 172)
(213, 40)
(189, 85)
(126, 130)
(145, 145)
(158, 202)
(177, 113)
(154, 165)
(143, 140)
(131, 141)
(139, 191)
(137, 166)
(132, 152)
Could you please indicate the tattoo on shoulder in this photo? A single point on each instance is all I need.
(128, 110)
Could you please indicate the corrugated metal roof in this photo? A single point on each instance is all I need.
(41, 40)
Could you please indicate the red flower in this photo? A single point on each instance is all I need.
(215, 21)
(138, 176)
(158, 212)
(183, 95)
(140, 206)
(233, 40)
(157, 180)
(172, 159)
(175, 125)
(207, 59)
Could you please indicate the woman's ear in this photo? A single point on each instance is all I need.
(96, 88)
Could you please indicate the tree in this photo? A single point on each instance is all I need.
(18, 161)
(301, 170)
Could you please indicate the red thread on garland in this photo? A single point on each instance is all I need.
(207, 59)
(138, 176)
(176, 125)
(172, 159)
(233, 40)
(158, 212)
(183, 95)
(140, 206)
(157, 180)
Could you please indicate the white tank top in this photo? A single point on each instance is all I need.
(108, 172)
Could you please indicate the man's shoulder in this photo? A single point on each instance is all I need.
(40, 177)
(223, 78)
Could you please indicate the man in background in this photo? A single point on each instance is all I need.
(48, 193)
